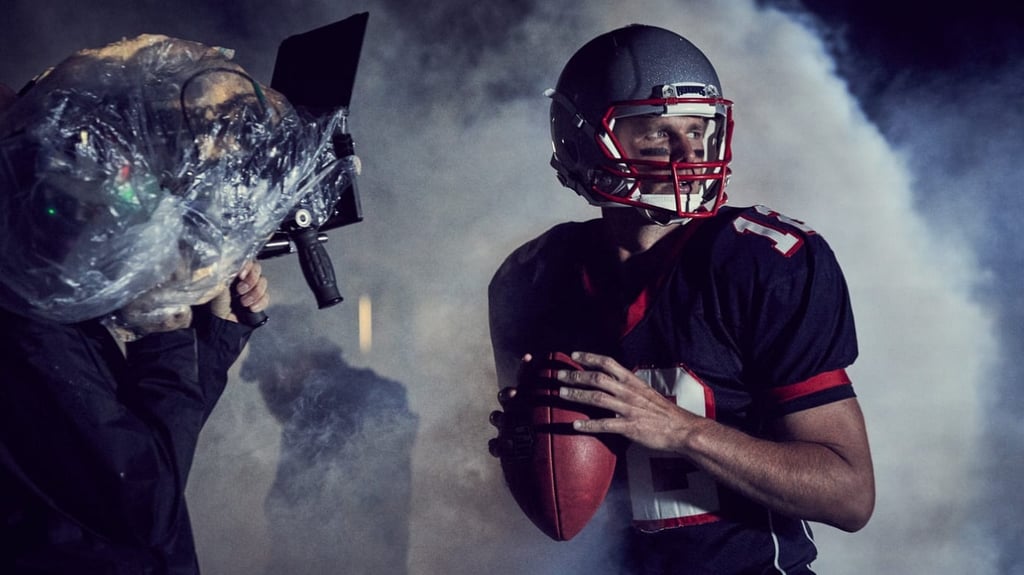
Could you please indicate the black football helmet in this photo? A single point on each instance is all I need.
(640, 70)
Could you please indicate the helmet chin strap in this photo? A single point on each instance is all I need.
(662, 218)
(652, 215)
(668, 202)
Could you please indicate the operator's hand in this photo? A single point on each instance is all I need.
(643, 415)
(249, 289)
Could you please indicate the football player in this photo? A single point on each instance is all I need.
(717, 336)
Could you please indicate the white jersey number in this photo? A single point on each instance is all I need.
(783, 241)
(665, 490)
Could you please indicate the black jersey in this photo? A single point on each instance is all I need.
(742, 318)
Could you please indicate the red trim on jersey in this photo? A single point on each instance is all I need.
(638, 308)
(654, 525)
(709, 394)
(588, 284)
(709, 398)
(820, 382)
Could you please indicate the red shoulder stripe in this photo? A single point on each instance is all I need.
(819, 382)
(638, 309)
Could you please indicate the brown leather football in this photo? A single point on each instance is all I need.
(564, 479)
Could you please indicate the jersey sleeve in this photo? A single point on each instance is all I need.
(512, 308)
(532, 298)
(801, 333)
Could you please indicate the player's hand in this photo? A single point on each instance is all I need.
(515, 434)
(642, 414)
(248, 291)
(515, 437)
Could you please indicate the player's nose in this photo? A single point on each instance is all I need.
(683, 148)
(684, 151)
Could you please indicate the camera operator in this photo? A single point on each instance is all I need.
(97, 435)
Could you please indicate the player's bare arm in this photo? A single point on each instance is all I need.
(817, 466)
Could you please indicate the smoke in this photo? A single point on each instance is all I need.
(452, 129)
(961, 149)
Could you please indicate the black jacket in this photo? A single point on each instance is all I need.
(96, 445)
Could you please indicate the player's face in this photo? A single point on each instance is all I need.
(663, 139)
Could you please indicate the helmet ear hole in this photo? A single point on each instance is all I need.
(572, 151)
(606, 183)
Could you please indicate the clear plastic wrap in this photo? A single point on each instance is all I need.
(144, 174)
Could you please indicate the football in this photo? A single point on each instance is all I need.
(561, 482)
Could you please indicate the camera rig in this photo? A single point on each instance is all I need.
(299, 76)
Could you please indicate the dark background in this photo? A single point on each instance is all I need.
(943, 85)
(957, 68)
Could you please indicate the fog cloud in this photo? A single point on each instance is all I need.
(452, 128)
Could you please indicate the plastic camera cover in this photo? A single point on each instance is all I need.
(147, 172)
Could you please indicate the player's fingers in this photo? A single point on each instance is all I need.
(594, 397)
(496, 418)
(505, 395)
(597, 361)
(602, 425)
(602, 363)
(591, 379)
(627, 386)
(502, 446)
(493, 446)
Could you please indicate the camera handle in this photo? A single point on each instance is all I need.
(317, 267)
(315, 263)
